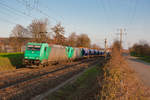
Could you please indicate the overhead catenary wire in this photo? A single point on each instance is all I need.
(23, 2)
(7, 21)
(4, 19)
(47, 7)
(23, 13)
(5, 9)
(104, 8)
(134, 12)
(105, 11)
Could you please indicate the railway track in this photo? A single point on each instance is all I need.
(28, 83)
(25, 74)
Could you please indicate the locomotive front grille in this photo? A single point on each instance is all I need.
(31, 61)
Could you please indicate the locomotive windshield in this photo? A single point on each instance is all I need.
(34, 47)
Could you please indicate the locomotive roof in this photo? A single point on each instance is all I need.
(33, 43)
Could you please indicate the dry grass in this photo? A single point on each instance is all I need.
(5, 64)
(119, 82)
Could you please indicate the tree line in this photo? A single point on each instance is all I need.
(140, 49)
(39, 31)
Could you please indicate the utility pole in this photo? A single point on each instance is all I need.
(121, 35)
(121, 38)
(105, 44)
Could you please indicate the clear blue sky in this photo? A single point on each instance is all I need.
(98, 18)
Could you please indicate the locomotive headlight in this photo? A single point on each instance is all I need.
(37, 57)
(26, 57)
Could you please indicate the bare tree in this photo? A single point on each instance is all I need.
(18, 36)
(95, 46)
(83, 41)
(59, 37)
(140, 49)
(38, 29)
(72, 39)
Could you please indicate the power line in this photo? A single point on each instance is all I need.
(106, 10)
(10, 10)
(105, 42)
(38, 10)
(103, 6)
(47, 7)
(7, 21)
(31, 3)
(23, 13)
(4, 5)
(134, 12)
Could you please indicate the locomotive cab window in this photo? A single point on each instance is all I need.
(33, 47)
(68, 49)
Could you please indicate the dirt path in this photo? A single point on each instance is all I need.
(141, 68)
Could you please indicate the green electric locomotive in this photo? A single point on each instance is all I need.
(42, 53)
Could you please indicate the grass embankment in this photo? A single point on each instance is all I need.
(113, 81)
(144, 58)
(119, 82)
(83, 88)
(10, 61)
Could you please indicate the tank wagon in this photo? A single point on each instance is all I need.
(43, 54)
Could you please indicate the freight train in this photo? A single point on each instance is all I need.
(43, 53)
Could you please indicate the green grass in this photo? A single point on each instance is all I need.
(145, 58)
(141, 57)
(78, 89)
(9, 61)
